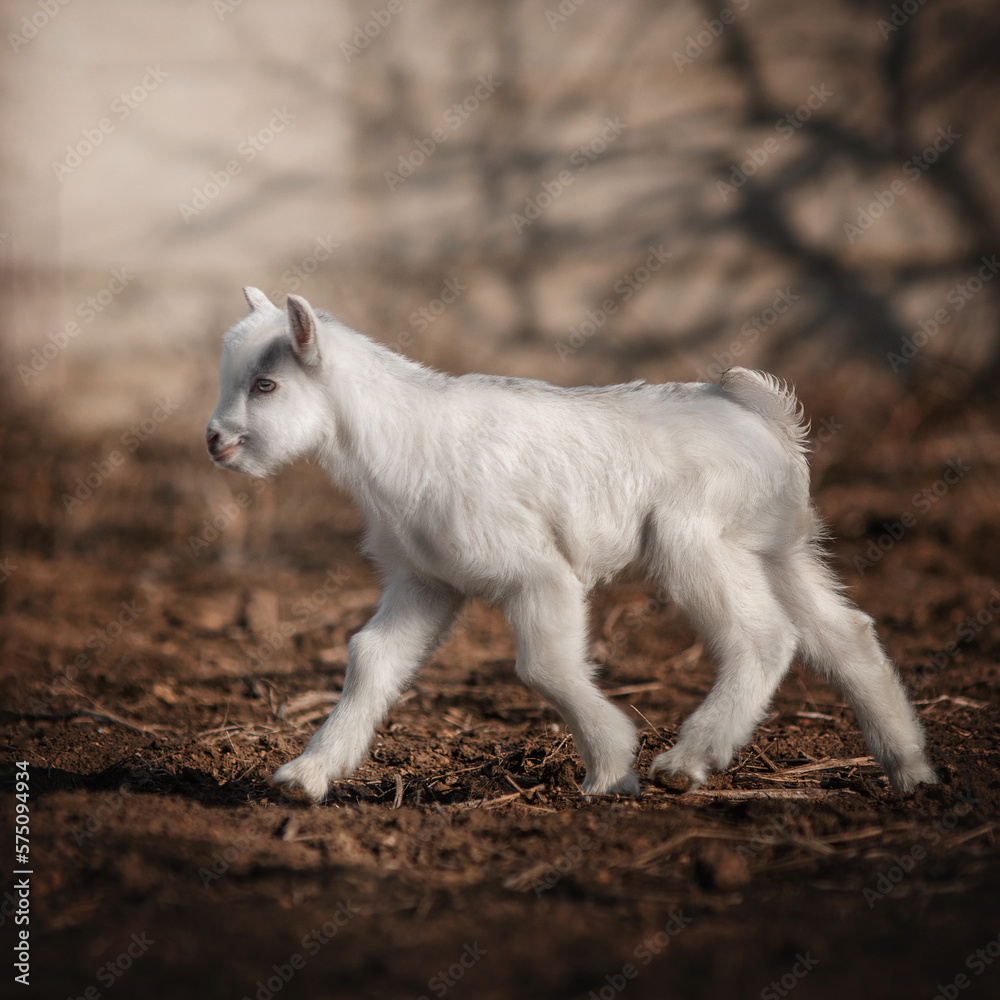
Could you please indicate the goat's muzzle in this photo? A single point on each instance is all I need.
(218, 448)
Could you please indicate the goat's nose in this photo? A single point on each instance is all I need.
(212, 440)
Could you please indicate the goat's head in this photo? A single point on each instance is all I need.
(271, 407)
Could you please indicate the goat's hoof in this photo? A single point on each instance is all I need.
(904, 777)
(627, 784)
(302, 779)
(667, 772)
(290, 791)
(678, 783)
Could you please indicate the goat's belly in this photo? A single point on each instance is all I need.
(598, 550)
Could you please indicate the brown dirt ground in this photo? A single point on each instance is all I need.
(463, 837)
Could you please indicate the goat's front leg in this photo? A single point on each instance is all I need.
(411, 619)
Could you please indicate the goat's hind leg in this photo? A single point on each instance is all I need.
(410, 621)
(726, 593)
(839, 642)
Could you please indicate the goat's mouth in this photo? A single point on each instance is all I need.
(220, 457)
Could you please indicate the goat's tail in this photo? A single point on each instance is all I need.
(771, 399)
(777, 404)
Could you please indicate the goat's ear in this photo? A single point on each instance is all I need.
(258, 301)
(302, 322)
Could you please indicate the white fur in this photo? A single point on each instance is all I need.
(528, 495)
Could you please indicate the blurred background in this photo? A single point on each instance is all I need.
(571, 190)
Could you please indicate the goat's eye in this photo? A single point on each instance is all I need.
(265, 385)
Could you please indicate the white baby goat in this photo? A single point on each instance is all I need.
(527, 495)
